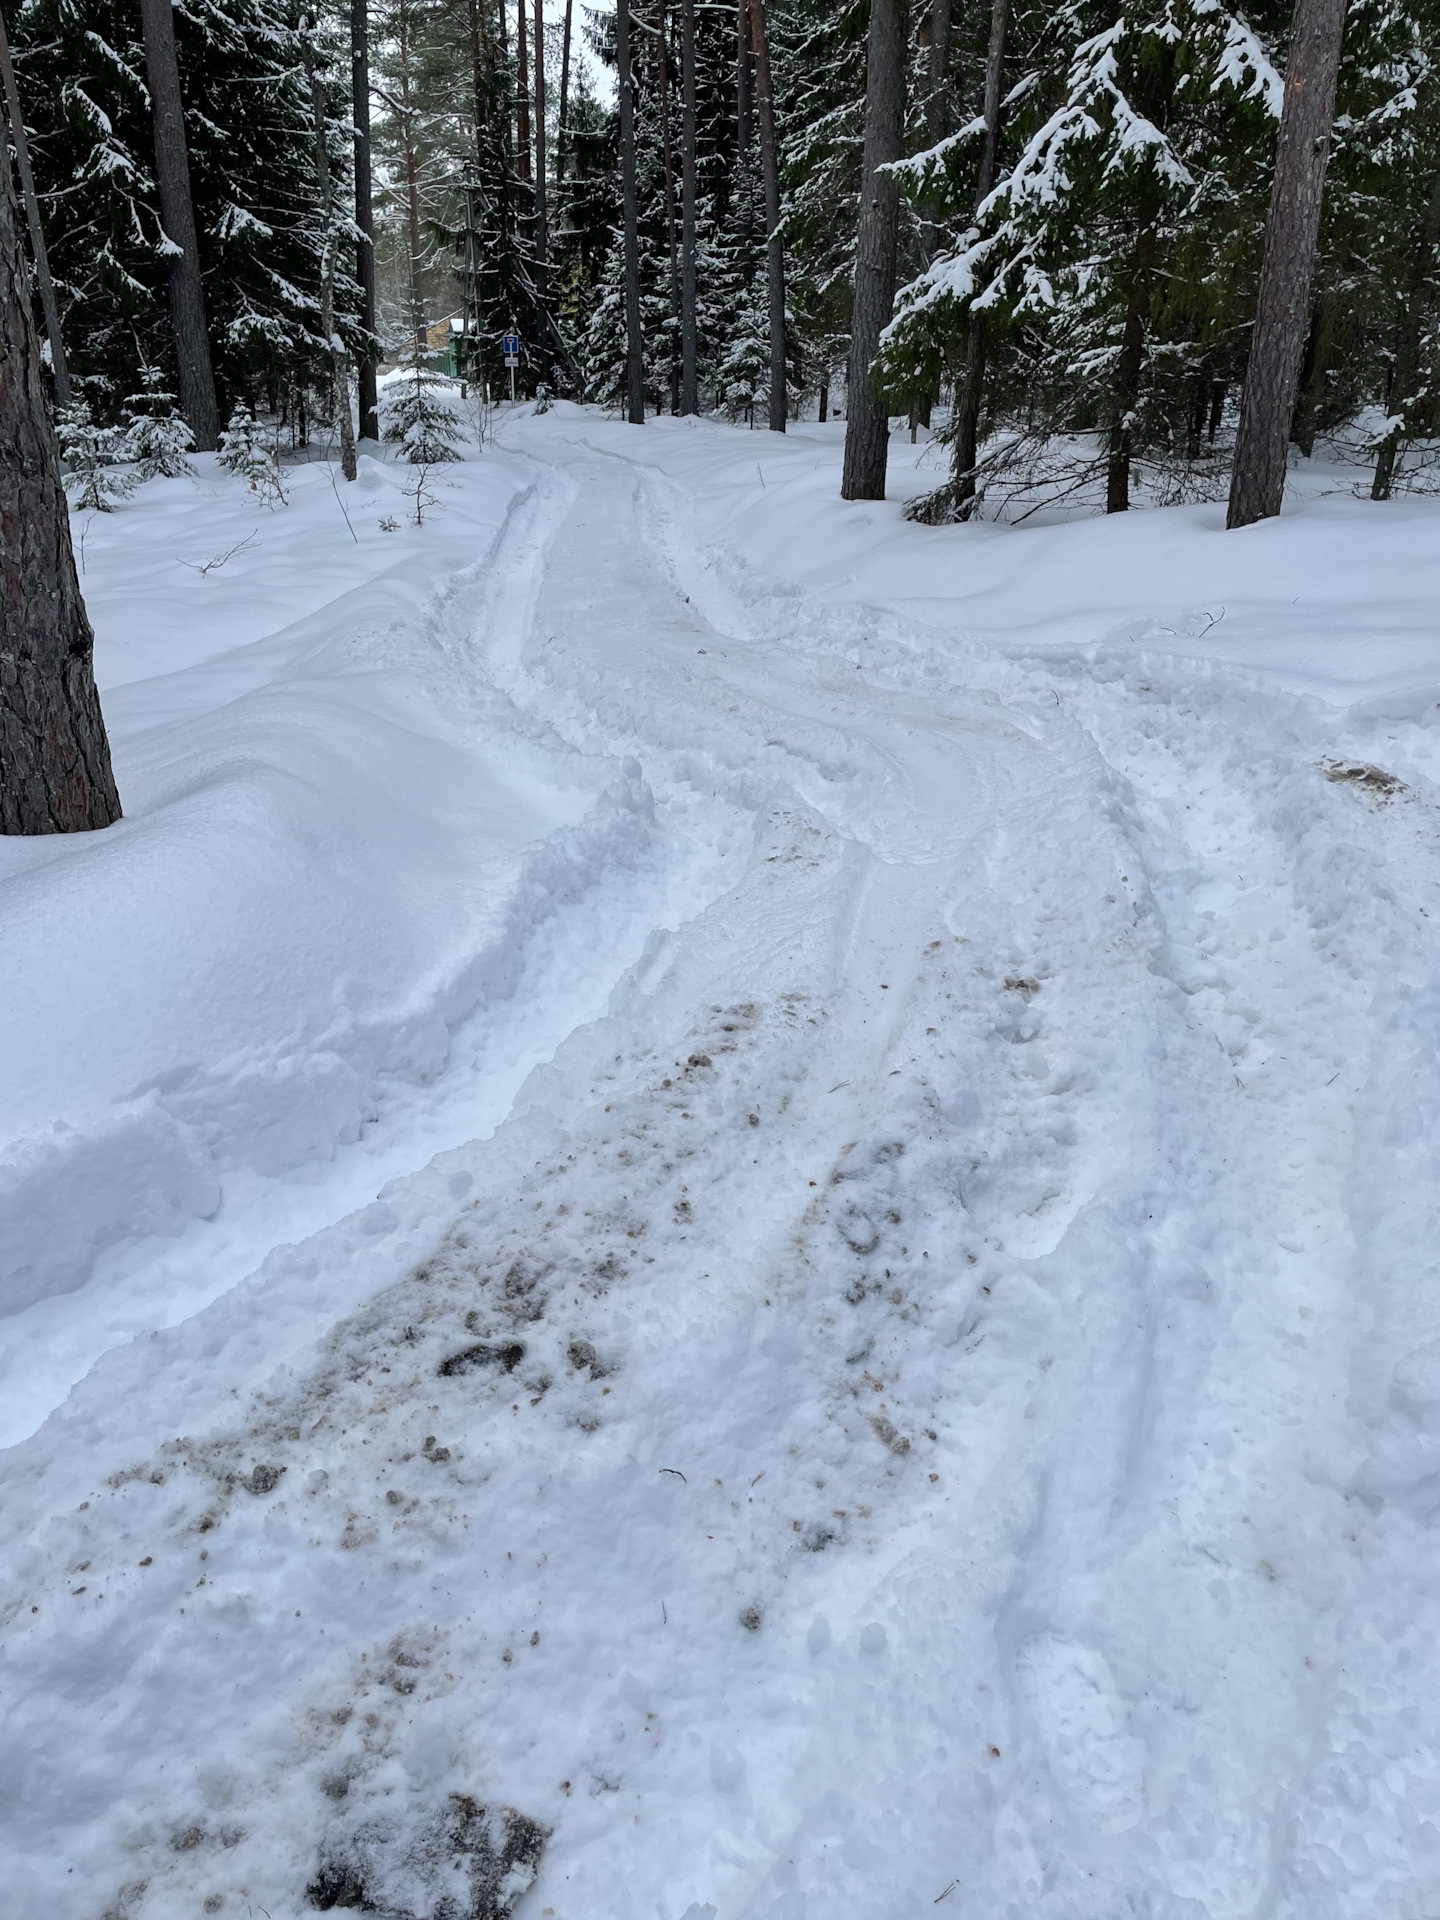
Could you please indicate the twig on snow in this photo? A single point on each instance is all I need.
(219, 559)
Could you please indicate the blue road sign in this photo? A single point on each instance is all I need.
(512, 344)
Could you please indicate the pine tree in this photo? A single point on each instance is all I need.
(93, 478)
(156, 438)
(416, 412)
(246, 450)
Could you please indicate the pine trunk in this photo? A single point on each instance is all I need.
(774, 244)
(59, 366)
(1128, 369)
(671, 242)
(1282, 307)
(1400, 388)
(194, 379)
(689, 386)
(744, 79)
(419, 333)
(364, 209)
(339, 370)
(969, 386)
(634, 345)
(542, 206)
(522, 85)
(55, 774)
(938, 115)
(867, 420)
(1313, 368)
(564, 96)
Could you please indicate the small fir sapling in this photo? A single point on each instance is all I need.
(417, 414)
(245, 450)
(156, 437)
(90, 451)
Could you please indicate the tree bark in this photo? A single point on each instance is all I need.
(774, 244)
(364, 210)
(542, 209)
(689, 346)
(59, 366)
(1282, 307)
(938, 116)
(195, 380)
(563, 128)
(634, 345)
(335, 351)
(418, 329)
(1127, 374)
(55, 773)
(969, 386)
(1313, 368)
(668, 160)
(1409, 337)
(744, 80)
(867, 420)
(522, 89)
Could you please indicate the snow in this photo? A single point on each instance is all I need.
(753, 1181)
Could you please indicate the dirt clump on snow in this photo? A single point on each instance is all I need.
(1356, 773)
(465, 1862)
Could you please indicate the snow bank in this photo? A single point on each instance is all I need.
(330, 859)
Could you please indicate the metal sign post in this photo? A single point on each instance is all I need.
(512, 356)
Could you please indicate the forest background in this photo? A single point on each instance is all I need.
(666, 205)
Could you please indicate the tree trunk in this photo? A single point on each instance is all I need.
(1217, 410)
(634, 346)
(542, 211)
(55, 774)
(668, 159)
(1128, 369)
(522, 88)
(1195, 431)
(59, 366)
(744, 79)
(867, 421)
(339, 371)
(938, 115)
(195, 381)
(774, 245)
(969, 385)
(1313, 369)
(364, 210)
(1409, 337)
(824, 407)
(418, 329)
(689, 389)
(564, 97)
(1282, 307)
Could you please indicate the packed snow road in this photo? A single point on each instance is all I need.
(932, 1394)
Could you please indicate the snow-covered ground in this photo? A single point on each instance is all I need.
(737, 1183)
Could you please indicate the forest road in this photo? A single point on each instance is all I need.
(874, 1423)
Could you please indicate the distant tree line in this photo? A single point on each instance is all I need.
(1090, 248)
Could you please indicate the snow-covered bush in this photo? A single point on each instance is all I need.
(156, 438)
(418, 414)
(245, 449)
(90, 452)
